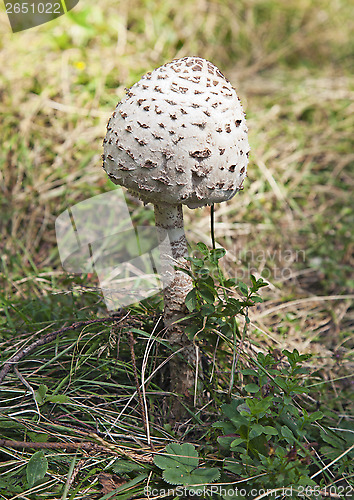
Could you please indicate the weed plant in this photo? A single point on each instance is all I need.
(255, 422)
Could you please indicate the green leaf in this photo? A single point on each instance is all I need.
(177, 455)
(192, 329)
(332, 439)
(207, 309)
(234, 466)
(288, 401)
(233, 307)
(57, 398)
(203, 475)
(208, 281)
(203, 248)
(239, 420)
(287, 434)
(243, 288)
(281, 383)
(306, 481)
(317, 415)
(257, 284)
(229, 410)
(256, 298)
(253, 279)
(191, 300)
(244, 409)
(207, 294)
(249, 371)
(330, 453)
(203, 274)
(259, 444)
(40, 394)
(253, 388)
(177, 476)
(225, 441)
(196, 262)
(36, 468)
(180, 466)
(236, 442)
(270, 431)
(38, 437)
(256, 430)
(125, 466)
(217, 254)
(292, 356)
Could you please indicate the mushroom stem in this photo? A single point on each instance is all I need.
(173, 246)
(177, 284)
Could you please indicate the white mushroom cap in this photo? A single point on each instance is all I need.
(179, 136)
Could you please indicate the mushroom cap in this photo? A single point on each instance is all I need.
(179, 136)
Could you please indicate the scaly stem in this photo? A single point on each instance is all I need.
(173, 249)
(177, 284)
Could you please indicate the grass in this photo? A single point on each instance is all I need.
(292, 224)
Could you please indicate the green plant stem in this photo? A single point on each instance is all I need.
(212, 225)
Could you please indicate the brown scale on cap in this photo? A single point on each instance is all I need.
(205, 153)
(149, 164)
(175, 141)
(143, 125)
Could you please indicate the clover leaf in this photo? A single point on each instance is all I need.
(180, 466)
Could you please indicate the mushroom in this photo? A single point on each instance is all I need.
(178, 138)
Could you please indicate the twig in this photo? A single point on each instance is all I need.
(93, 447)
(108, 448)
(46, 339)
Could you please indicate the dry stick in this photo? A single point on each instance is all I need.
(56, 446)
(85, 446)
(140, 398)
(46, 339)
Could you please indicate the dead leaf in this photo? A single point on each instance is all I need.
(110, 482)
